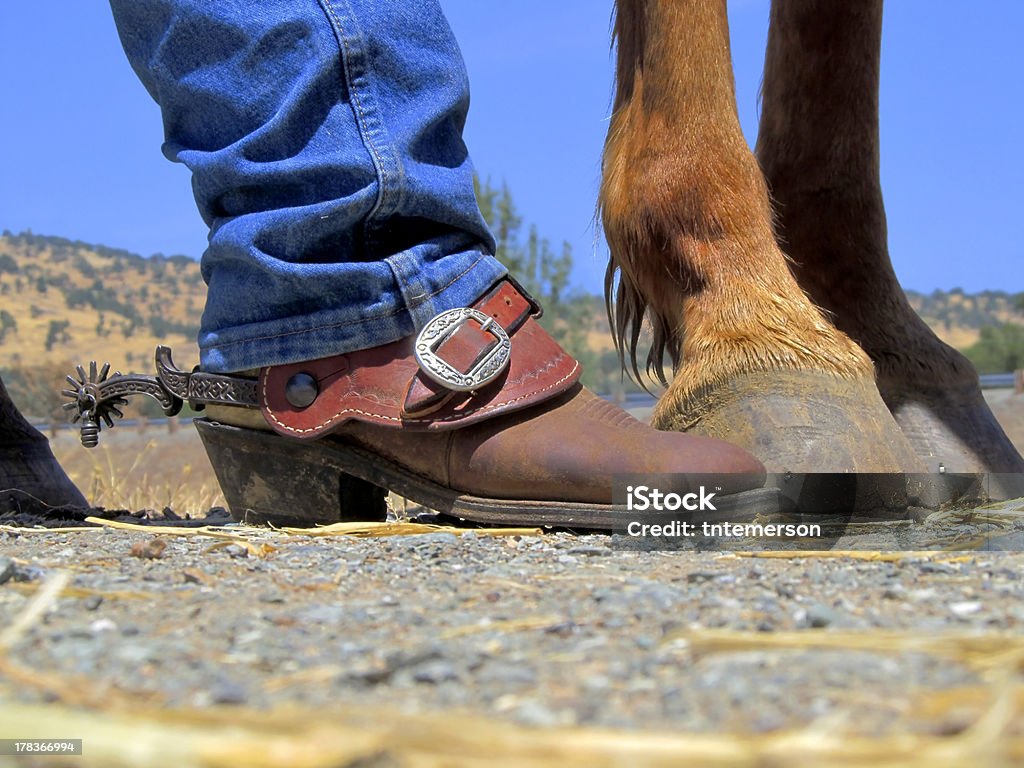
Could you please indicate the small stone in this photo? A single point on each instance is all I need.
(236, 551)
(435, 672)
(938, 568)
(818, 616)
(92, 602)
(195, 576)
(591, 551)
(442, 537)
(150, 549)
(562, 629)
(28, 573)
(228, 692)
(966, 608)
(102, 625)
(6, 569)
(785, 590)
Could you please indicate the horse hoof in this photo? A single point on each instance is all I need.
(953, 430)
(31, 480)
(812, 426)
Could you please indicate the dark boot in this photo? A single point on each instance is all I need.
(31, 480)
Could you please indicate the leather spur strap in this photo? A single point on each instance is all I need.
(466, 365)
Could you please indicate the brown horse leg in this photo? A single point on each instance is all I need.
(818, 146)
(30, 478)
(688, 221)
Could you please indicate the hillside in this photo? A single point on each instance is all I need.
(64, 302)
(69, 297)
(957, 317)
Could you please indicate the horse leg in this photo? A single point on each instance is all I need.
(818, 146)
(688, 221)
(31, 480)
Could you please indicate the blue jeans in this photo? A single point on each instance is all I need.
(325, 142)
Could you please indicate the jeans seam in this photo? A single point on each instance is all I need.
(349, 323)
(364, 131)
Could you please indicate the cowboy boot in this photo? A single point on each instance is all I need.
(481, 416)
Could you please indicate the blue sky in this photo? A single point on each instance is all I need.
(81, 137)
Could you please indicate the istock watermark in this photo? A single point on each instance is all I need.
(703, 511)
(683, 529)
(818, 511)
(643, 498)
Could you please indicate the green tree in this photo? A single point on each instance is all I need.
(57, 333)
(7, 324)
(568, 314)
(8, 264)
(999, 350)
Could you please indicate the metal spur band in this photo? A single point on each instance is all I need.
(96, 398)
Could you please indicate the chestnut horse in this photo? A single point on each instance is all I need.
(765, 275)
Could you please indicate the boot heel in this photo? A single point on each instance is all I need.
(271, 479)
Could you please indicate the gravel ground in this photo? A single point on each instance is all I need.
(541, 630)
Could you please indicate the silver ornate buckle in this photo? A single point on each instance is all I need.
(440, 328)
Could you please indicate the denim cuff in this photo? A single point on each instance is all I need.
(411, 297)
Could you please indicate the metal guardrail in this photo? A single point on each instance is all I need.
(988, 381)
(998, 380)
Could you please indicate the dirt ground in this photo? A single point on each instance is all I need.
(402, 646)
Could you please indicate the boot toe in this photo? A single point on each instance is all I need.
(707, 461)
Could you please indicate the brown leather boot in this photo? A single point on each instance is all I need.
(480, 416)
(31, 480)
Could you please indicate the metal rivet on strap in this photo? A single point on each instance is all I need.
(301, 390)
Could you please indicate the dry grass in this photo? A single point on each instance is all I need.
(121, 731)
(138, 468)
